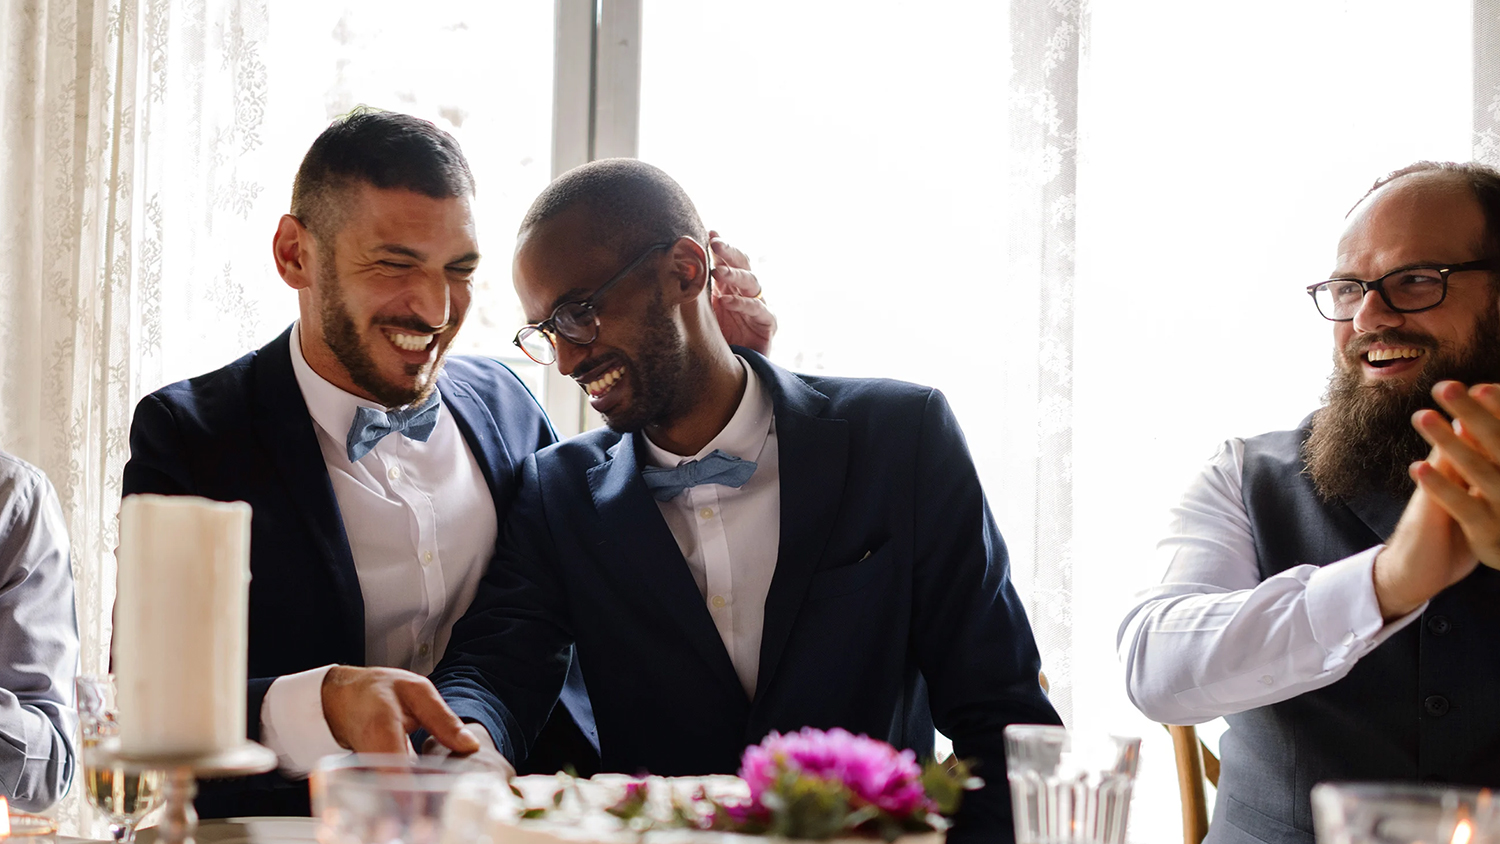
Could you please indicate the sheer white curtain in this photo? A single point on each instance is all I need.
(127, 131)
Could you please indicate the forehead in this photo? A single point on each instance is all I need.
(561, 259)
(1421, 218)
(374, 216)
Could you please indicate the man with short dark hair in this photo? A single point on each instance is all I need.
(1322, 590)
(743, 549)
(378, 468)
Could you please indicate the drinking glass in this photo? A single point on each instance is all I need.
(1068, 789)
(123, 797)
(373, 798)
(1404, 813)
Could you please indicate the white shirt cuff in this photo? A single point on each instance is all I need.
(292, 722)
(1344, 612)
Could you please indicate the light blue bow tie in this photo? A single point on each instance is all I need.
(371, 425)
(716, 468)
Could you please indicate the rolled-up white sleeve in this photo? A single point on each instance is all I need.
(1213, 639)
(292, 722)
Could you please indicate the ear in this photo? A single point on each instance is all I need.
(689, 270)
(292, 247)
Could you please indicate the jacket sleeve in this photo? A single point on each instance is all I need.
(39, 637)
(160, 464)
(509, 654)
(970, 631)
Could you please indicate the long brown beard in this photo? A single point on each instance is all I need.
(1363, 439)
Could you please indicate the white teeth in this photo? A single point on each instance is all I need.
(1393, 354)
(597, 387)
(410, 342)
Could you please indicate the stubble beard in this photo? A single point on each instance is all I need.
(350, 349)
(664, 377)
(1363, 439)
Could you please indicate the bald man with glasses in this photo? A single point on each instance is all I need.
(1331, 591)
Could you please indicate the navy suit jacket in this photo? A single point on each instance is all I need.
(891, 607)
(243, 433)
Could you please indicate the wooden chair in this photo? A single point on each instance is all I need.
(1195, 764)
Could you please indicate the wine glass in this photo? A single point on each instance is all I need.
(122, 796)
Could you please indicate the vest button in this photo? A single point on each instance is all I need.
(1436, 706)
(1438, 625)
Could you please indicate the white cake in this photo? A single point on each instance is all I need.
(482, 809)
(180, 625)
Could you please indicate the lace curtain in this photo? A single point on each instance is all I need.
(127, 127)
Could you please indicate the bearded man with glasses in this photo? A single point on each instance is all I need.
(1332, 590)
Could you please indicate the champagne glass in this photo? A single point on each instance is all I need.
(123, 797)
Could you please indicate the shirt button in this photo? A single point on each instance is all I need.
(426, 557)
(706, 513)
(1436, 705)
(1438, 625)
(394, 472)
(1267, 680)
(718, 602)
(424, 649)
(1349, 638)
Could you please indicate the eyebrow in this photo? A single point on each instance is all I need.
(577, 294)
(1437, 265)
(408, 252)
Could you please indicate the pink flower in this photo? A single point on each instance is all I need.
(873, 771)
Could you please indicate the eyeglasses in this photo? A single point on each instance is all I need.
(1405, 291)
(576, 322)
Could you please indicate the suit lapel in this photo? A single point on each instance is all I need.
(1379, 512)
(648, 559)
(813, 457)
(286, 432)
(473, 416)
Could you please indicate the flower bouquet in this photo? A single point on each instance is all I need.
(810, 784)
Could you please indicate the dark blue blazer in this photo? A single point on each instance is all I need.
(243, 433)
(891, 607)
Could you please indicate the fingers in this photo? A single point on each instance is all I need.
(745, 322)
(1472, 462)
(729, 281)
(726, 254)
(1477, 421)
(423, 705)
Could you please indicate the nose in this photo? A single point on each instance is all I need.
(1374, 314)
(432, 301)
(569, 354)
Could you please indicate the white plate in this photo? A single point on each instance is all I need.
(248, 831)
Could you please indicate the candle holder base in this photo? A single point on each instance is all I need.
(179, 821)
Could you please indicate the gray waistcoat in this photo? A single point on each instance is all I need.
(1423, 707)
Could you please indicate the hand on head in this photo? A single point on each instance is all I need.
(372, 710)
(742, 313)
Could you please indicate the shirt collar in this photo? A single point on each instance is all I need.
(743, 437)
(331, 407)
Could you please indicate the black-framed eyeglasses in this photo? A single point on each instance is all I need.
(1405, 291)
(576, 322)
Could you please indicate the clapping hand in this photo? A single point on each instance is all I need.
(742, 313)
(1470, 491)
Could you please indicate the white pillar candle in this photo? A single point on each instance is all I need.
(180, 624)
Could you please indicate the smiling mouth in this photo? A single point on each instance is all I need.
(410, 342)
(601, 385)
(1380, 358)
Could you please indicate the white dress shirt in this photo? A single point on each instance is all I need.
(1214, 639)
(729, 536)
(421, 526)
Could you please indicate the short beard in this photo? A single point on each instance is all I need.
(342, 337)
(1363, 439)
(664, 378)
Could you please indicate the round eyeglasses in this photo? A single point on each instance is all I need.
(1405, 291)
(576, 322)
